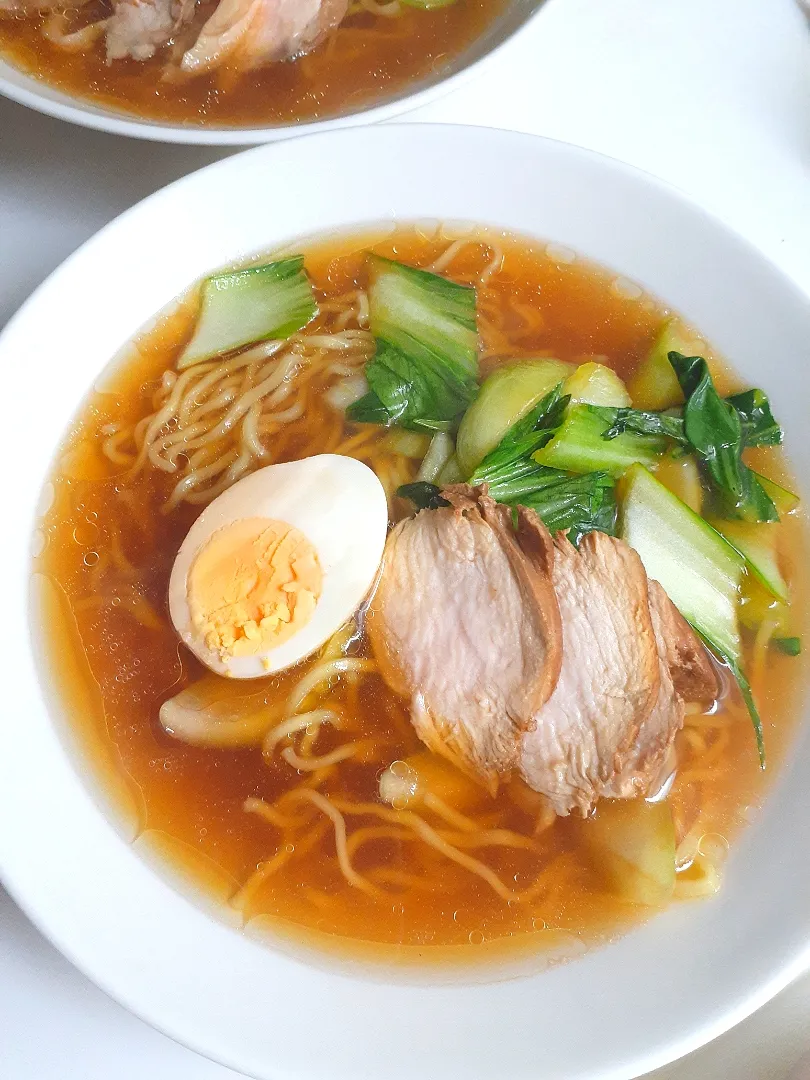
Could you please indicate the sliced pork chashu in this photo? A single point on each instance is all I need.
(644, 769)
(609, 728)
(446, 627)
(686, 675)
(465, 622)
(686, 656)
(249, 33)
(585, 735)
(138, 28)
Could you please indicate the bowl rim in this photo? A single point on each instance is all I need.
(98, 117)
(780, 973)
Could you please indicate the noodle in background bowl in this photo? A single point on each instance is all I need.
(29, 90)
(616, 1012)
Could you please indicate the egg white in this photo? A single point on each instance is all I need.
(340, 506)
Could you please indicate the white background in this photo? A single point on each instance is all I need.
(711, 95)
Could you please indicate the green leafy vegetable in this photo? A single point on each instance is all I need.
(758, 425)
(439, 452)
(256, 304)
(524, 437)
(699, 570)
(784, 501)
(747, 696)
(791, 646)
(445, 426)
(518, 479)
(654, 386)
(668, 425)
(424, 372)
(423, 495)
(369, 410)
(506, 396)
(715, 429)
(409, 392)
(757, 543)
(425, 315)
(579, 444)
(576, 504)
(597, 384)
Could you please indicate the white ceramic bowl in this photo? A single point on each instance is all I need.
(657, 993)
(30, 91)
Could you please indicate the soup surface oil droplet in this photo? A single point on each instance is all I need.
(476, 937)
(85, 533)
(560, 254)
(626, 289)
(713, 846)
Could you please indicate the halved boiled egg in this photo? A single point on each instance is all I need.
(277, 563)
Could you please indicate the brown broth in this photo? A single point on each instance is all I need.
(369, 59)
(106, 542)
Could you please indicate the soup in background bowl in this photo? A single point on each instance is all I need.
(133, 68)
(326, 791)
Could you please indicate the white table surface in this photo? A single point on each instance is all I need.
(711, 95)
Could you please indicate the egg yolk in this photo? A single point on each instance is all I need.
(252, 586)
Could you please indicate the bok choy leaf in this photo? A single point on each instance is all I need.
(409, 391)
(644, 423)
(255, 304)
(791, 646)
(578, 504)
(717, 430)
(512, 455)
(423, 495)
(714, 429)
(752, 406)
(424, 372)
(758, 425)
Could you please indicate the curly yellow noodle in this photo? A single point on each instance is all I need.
(321, 675)
(271, 815)
(376, 832)
(266, 870)
(451, 816)
(294, 724)
(310, 764)
(427, 833)
(339, 822)
(391, 875)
